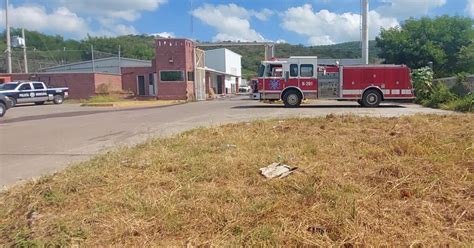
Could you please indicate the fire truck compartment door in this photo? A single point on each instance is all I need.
(328, 85)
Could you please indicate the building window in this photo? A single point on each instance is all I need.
(306, 70)
(172, 76)
(293, 70)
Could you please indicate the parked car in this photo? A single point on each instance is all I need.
(33, 92)
(245, 89)
(5, 104)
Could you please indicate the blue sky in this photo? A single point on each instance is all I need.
(315, 22)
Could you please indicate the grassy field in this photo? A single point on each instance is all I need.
(360, 181)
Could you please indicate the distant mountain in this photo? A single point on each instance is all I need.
(49, 50)
(253, 55)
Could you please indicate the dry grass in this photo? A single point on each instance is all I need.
(361, 181)
(132, 103)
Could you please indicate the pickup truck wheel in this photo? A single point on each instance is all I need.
(39, 103)
(292, 99)
(58, 99)
(371, 98)
(3, 109)
(13, 100)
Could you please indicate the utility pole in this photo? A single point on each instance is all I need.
(365, 32)
(119, 60)
(25, 58)
(9, 46)
(93, 63)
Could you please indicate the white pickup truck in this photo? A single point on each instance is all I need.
(33, 92)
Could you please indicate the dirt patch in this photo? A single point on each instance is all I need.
(360, 181)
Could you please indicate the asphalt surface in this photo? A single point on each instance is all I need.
(38, 140)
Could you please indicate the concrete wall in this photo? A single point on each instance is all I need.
(215, 59)
(129, 78)
(113, 82)
(233, 63)
(451, 81)
(81, 85)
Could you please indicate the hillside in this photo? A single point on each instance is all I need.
(252, 55)
(49, 50)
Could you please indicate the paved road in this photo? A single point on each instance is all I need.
(36, 140)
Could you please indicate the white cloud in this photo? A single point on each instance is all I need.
(119, 9)
(164, 34)
(262, 15)
(231, 21)
(325, 27)
(74, 18)
(60, 20)
(470, 8)
(408, 8)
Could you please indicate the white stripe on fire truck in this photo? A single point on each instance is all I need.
(406, 92)
(385, 92)
(352, 92)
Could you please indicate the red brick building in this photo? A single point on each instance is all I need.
(178, 72)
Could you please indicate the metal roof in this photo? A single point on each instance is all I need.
(104, 65)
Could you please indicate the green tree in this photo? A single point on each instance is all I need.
(441, 40)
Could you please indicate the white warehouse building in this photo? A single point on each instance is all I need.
(228, 62)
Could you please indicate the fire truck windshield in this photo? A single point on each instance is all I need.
(261, 70)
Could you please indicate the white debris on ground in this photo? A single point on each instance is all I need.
(277, 170)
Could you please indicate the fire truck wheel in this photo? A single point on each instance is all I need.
(371, 98)
(292, 98)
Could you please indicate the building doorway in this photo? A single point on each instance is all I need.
(141, 85)
(151, 84)
(219, 84)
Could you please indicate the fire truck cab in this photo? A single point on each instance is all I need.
(297, 78)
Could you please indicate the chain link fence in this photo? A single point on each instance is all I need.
(40, 60)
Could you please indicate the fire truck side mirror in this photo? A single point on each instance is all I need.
(287, 75)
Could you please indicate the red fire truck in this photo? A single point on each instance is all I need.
(297, 78)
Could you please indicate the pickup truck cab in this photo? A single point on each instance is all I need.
(33, 92)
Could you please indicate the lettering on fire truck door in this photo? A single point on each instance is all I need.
(308, 82)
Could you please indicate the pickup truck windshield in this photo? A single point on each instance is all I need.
(8, 86)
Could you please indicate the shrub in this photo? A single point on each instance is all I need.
(464, 104)
(440, 94)
(103, 89)
(422, 83)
